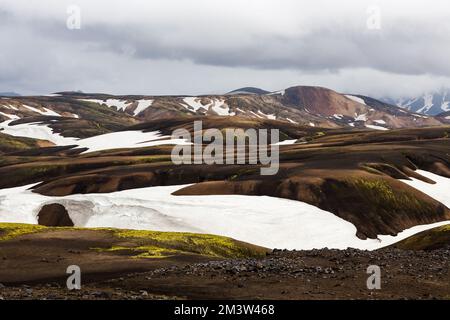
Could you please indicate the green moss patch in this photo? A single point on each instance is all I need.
(435, 238)
(182, 242)
(12, 230)
(149, 244)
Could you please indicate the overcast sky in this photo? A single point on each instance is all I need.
(213, 46)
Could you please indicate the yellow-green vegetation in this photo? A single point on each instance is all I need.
(427, 240)
(12, 230)
(150, 244)
(10, 143)
(383, 197)
(142, 251)
(193, 243)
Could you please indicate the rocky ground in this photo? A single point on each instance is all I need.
(314, 274)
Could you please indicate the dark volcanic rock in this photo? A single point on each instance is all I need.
(54, 215)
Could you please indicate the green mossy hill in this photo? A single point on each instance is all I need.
(10, 144)
(150, 244)
(12, 230)
(182, 242)
(388, 206)
(432, 239)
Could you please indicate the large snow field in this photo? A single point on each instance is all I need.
(266, 221)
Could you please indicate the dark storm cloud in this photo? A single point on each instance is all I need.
(116, 40)
(404, 47)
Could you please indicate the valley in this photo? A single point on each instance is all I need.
(89, 179)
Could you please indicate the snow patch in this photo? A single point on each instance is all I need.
(46, 112)
(121, 105)
(438, 191)
(361, 117)
(142, 105)
(36, 131)
(268, 116)
(10, 116)
(357, 99)
(285, 142)
(114, 140)
(371, 126)
(127, 139)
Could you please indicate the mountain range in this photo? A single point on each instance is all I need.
(431, 103)
(81, 115)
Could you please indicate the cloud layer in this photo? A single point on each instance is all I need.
(201, 46)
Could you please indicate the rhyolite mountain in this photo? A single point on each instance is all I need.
(300, 105)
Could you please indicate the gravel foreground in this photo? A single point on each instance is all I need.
(313, 274)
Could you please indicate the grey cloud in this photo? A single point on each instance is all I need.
(40, 53)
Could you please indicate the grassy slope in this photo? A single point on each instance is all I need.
(427, 240)
(10, 144)
(149, 244)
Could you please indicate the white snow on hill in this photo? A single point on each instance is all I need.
(46, 112)
(357, 99)
(10, 116)
(267, 221)
(268, 116)
(126, 139)
(217, 105)
(438, 191)
(114, 140)
(36, 131)
(360, 117)
(193, 104)
(371, 126)
(143, 104)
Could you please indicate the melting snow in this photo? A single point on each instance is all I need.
(361, 117)
(121, 105)
(217, 105)
(142, 105)
(10, 116)
(36, 131)
(114, 140)
(291, 224)
(438, 191)
(46, 112)
(285, 142)
(193, 103)
(371, 126)
(268, 116)
(126, 139)
(357, 99)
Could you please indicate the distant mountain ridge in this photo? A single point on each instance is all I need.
(249, 90)
(431, 103)
(85, 114)
(9, 94)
